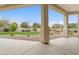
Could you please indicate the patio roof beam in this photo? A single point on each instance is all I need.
(73, 13)
(57, 8)
(13, 6)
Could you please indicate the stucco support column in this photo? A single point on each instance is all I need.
(78, 26)
(66, 32)
(44, 24)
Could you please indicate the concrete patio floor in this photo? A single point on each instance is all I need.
(59, 46)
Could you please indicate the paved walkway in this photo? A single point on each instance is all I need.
(60, 46)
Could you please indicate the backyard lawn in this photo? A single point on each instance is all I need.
(20, 33)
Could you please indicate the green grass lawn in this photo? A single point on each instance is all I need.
(20, 33)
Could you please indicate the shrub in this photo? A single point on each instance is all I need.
(6, 29)
(12, 34)
(70, 32)
(28, 35)
(34, 29)
(75, 31)
(51, 33)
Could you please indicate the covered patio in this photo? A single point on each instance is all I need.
(59, 46)
(64, 45)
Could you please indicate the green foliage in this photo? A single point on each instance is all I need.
(13, 26)
(34, 29)
(72, 25)
(57, 26)
(36, 25)
(12, 34)
(49, 28)
(20, 33)
(1, 24)
(6, 29)
(51, 33)
(70, 32)
(24, 25)
(28, 35)
(4, 22)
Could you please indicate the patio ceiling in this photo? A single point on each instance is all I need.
(70, 8)
(62, 8)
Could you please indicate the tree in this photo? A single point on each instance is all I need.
(1, 24)
(13, 26)
(6, 29)
(24, 25)
(72, 25)
(35, 26)
(57, 26)
(5, 21)
(49, 28)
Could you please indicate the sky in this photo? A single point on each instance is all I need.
(33, 15)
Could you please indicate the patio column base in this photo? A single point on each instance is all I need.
(45, 42)
(66, 37)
